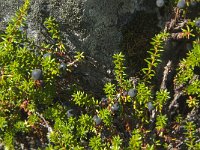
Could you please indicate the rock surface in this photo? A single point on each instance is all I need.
(92, 26)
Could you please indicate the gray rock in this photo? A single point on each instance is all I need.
(92, 26)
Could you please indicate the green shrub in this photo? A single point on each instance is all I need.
(132, 115)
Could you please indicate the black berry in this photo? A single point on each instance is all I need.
(63, 66)
(36, 74)
(70, 113)
(150, 106)
(132, 92)
(160, 3)
(47, 55)
(197, 23)
(181, 4)
(115, 107)
(97, 119)
(193, 3)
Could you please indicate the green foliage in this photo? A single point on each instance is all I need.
(105, 115)
(64, 140)
(136, 140)
(192, 102)
(119, 67)
(161, 98)
(3, 123)
(96, 143)
(116, 143)
(8, 140)
(110, 90)
(187, 65)
(188, 77)
(52, 28)
(154, 59)
(144, 94)
(133, 113)
(190, 134)
(161, 122)
(82, 99)
(84, 125)
(22, 97)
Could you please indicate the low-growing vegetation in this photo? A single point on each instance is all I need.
(40, 97)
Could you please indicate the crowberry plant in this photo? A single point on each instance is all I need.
(37, 101)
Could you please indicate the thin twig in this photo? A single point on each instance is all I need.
(179, 144)
(177, 95)
(192, 113)
(49, 128)
(197, 141)
(165, 74)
